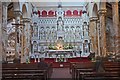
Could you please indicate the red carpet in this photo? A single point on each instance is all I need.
(78, 59)
(66, 64)
(63, 64)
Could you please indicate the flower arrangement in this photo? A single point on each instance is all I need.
(52, 47)
(68, 46)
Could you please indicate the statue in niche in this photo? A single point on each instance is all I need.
(60, 24)
(86, 28)
(35, 31)
(35, 46)
(86, 46)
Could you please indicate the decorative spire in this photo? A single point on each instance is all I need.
(59, 4)
(35, 11)
(84, 10)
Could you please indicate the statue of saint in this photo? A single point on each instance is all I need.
(86, 46)
(86, 29)
(60, 24)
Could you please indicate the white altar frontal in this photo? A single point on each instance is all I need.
(59, 55)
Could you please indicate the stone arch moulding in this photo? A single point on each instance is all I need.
(95, 10)
(24, 11)
(23, 4)
(92, 5)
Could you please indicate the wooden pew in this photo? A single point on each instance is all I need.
(24, 74)
(111, 66)
(82, 67)
(25, 71)
(72, 64)
(48, 68)
(111, 72)
(100, 76)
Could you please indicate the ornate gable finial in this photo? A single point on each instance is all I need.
(35, 10)
(84, 10)
(59, 4)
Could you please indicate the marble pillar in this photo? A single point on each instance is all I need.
(93, 32)
(115, 14)
(23, 60)
(4, 27)
(102, 18)
(91, 35)
(98, 37)
(1, 47)
(25, 40)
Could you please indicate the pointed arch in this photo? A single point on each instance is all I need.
(44, 13)
(75, 13)
(24, 11)
(95, 11)
(51, 13)
(68, 13)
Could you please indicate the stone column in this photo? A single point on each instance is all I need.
(25, 36)
(3, 27)
(115, 13)
(5, 22)
(91, 35)
(31, 34)
(1, 47)
(17, 24)
(102, 13)
(93, 32)
(22, 46)
(98, 37)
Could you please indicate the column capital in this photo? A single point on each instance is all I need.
(26, 20)
(93, 18)
(102, 11)
(116, 2)
(98, 21)
(6, 3)
(17, 13)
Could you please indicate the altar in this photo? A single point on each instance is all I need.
(58, 55)
(61, 55)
